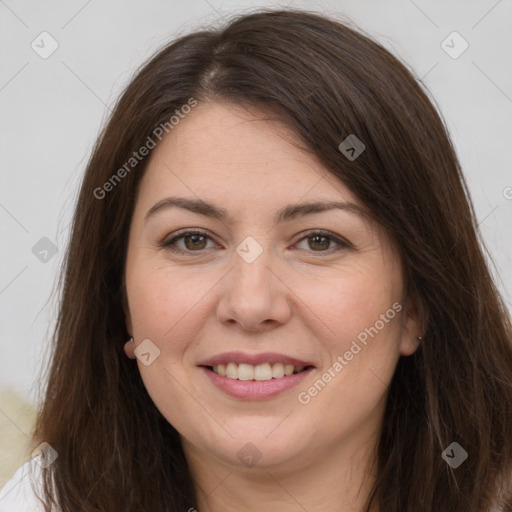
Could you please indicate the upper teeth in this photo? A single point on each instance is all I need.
(265, 371)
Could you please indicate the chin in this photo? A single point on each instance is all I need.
(263, 447)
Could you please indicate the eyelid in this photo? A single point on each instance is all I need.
(343, 243)
(182, 233)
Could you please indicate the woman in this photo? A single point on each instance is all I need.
(274, 296)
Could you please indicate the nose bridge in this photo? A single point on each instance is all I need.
(253, 296)
(252, 275)
(252, 286)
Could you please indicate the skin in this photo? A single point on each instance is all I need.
(301, 297)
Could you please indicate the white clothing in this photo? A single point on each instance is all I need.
(17, 495)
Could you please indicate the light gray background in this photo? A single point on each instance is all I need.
(52, 110)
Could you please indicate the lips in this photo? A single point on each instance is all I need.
(255, 376)
(254, 359)
(255, 389)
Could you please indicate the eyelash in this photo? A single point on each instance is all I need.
(342, 244)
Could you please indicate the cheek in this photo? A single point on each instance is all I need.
(350, 303)
(166, 307)
(357, 317)
(157, 299)
(169, 306)
(362, 341)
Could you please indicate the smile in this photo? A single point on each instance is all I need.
(260, 372)
(251, 388)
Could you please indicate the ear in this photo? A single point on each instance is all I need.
(129, 346)
(412, 326)
(129, 349)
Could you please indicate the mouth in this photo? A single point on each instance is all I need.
(260, 372)
(255, 376)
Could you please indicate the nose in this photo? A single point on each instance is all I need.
(254, 296)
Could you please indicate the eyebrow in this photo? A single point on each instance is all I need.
(287, 213)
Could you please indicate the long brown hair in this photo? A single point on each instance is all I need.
(326, 80)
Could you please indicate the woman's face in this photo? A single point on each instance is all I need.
(237, 275)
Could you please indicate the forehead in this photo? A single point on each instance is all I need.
(222, 150)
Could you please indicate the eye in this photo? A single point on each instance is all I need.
(320, 241)
(193, 241)
(197, 241)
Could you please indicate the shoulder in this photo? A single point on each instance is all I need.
(18, 495)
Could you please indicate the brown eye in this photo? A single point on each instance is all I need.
(187, 242)
(318, 242)
(193, 242)
(196, 241)
(324, 241)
